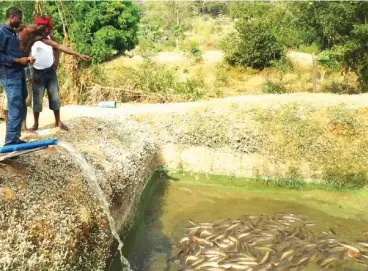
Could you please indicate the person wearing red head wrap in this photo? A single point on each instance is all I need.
(46, 20)
(45, 52)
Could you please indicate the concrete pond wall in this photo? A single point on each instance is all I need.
(51, 220)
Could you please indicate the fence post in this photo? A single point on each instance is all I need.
(314, 75)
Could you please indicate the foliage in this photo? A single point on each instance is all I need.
(157, 82)
(341, 88)
(341, 27)
(211, 8)
(149, 36)
(100, 29)
(273, 88)
(162, 23)
(355, 53)
(280, 19)
(329, 60)
(308, 49)
(110, 27)
(196, 53)
(254, 45)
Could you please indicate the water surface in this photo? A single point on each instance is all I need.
(176, 197)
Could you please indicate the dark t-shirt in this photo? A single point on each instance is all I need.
(10, 49)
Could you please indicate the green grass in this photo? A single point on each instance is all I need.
(309, 49)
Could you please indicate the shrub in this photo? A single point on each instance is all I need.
(254, 45)
(196, 54)
(273, 88)
(329, 60)
(152, 81)
(342, 88)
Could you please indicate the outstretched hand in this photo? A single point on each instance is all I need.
(85, 57)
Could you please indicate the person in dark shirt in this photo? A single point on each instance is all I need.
(26, 35)
(12, 63)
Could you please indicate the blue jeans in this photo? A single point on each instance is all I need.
(16, 93)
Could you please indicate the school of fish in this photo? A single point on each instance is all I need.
(278, 242)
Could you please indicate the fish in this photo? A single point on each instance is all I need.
(192, 222)
(214, 252)
(266, 249)
(286, 254)
(332, 231)
(221, 236)
(355, 249)
(232, 227)
(225, 246)
(206, 264)
(309, 245)
(183, 240)
(363, 243)
(205, 233)
(242, 235)
(215, 269)
(275, 242)
(241, 259)
(362, 262)
(302, 260)
(233, 266)
(202, 241)
(314, 257)
(195, 232)
(214, 258)
(328, 261)
(190, 258)
(266, 257)
(199, 261)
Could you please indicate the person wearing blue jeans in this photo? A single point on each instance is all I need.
(12, 63)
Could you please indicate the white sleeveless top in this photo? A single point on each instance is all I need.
(43, 54)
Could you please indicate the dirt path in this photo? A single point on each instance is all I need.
(69, 113)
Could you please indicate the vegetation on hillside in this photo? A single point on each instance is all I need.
(255, 37)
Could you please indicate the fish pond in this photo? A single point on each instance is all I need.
(190, 221)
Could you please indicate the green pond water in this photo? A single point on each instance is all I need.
(170, 199)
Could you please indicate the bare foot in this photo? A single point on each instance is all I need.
(33, 129)
(62, 126)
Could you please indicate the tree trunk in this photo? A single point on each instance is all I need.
(38, 7)
(177, 22)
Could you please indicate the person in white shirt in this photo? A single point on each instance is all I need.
(44, 72)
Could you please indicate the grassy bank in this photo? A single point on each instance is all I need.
(293, 137)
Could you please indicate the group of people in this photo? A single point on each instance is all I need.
(29, 58)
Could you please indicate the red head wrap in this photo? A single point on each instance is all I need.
(45, 21)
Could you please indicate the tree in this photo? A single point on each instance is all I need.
(280, 18)
(100, 29)
(253, 45)
(167, 20)
(341, 27)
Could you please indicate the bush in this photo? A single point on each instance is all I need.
(273, 88)
(153, 82)
(254, 45)
(329, 60)
(196, 54)
(341, 88)
(343, 180)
